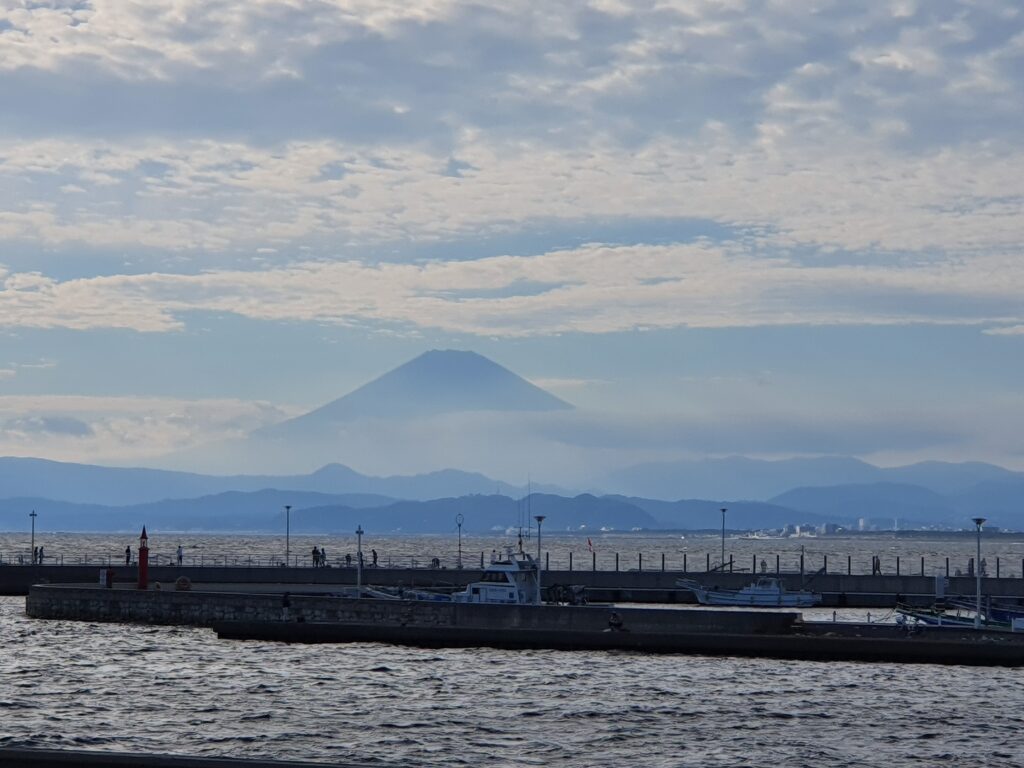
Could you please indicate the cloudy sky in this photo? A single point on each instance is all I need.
(763, 227)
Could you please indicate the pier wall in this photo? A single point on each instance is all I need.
(655, 586)
(204, 608)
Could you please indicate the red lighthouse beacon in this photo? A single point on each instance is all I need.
(143, 560)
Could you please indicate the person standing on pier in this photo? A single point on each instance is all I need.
(373, 553)
(40, 555)
(128, 555)
(181, 555)
(35, 555)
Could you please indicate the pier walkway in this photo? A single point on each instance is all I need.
(635, 586)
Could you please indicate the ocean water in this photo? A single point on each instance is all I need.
(600, 550)
(182, 690)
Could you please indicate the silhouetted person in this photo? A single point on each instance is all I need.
(128, 555)
(373, 553)
(35, 555)
(41, 556)
(181, 554)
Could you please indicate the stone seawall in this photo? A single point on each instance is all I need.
(837, 590)
(202, 608)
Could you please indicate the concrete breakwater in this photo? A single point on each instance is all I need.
(207, 607)
(290, 617)
(656, 586)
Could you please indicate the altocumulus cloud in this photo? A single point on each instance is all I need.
(592, 289)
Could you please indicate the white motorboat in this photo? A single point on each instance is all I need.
(767, 592)
(512, 578)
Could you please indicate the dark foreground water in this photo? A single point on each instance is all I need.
(168, 689)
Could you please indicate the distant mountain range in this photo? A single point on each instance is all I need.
(116, 486)
(737, 477)
(446, 398)
(78, 497)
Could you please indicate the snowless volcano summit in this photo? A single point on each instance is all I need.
(436, 382)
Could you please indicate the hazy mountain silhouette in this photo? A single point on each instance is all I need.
(873, 500)
(482, 514)
(736, 477)
(702, 514)
(120, 486)
(436, 382)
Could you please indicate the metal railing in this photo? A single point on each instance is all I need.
(562, 560)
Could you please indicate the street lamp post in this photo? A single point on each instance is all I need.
(978, 522)
(287, 534)
(33, 515)
(539, 519)
(458, 521)
(724, 509)
(359, 561)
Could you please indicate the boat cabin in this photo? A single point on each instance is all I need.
(511, 579)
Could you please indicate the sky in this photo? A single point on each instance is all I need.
(764, 228)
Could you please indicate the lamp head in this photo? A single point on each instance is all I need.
(979, 521)
(539, 518)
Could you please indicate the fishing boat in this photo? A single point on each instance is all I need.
(994, 611)
(958, 613)
(512, 578)
(766, 591)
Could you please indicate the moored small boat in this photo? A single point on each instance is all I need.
(766, 592)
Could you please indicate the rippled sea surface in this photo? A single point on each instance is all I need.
(180, 690)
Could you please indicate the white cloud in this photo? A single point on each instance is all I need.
(592, 289)
(112, 430)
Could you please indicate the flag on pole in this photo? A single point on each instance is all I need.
(590, 544)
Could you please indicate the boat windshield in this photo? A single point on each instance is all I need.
(494, 576)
